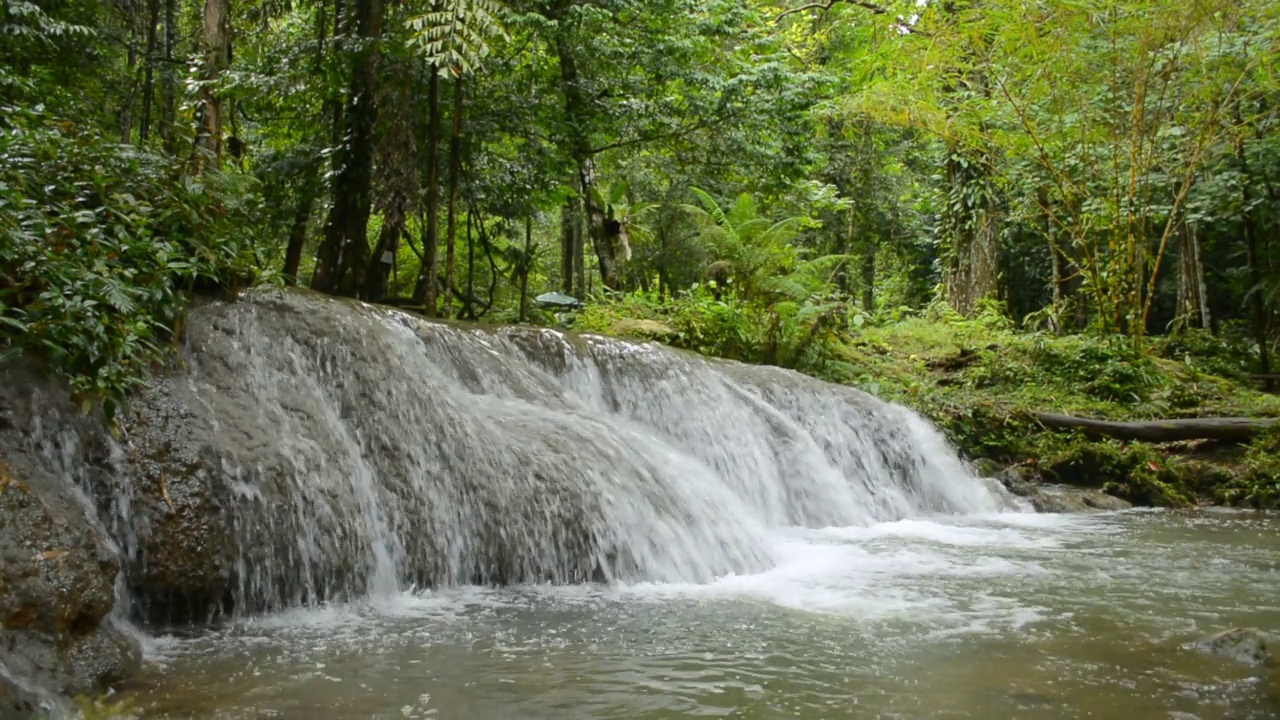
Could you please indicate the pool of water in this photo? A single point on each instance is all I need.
(1001, 616)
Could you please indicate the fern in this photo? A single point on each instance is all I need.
(455, 34)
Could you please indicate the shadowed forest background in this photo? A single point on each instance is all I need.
(981, 208)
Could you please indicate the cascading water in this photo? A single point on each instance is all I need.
(362, 451)
(782, 546)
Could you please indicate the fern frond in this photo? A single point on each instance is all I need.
(454, 34)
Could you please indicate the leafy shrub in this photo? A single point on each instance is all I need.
(1228, 356)
(98, 243)
(1258, 484)
(1110, 371)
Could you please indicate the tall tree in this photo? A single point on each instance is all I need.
(344, 250)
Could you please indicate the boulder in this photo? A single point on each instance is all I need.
(645, 330)
(57, 581)
(1052, 498)
(1244, 645)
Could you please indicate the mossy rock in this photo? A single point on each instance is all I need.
(645, 330)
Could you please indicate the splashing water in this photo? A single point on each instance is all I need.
(364, 451)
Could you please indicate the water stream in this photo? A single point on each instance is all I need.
(995, 616)
(389, 518)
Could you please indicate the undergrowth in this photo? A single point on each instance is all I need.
(99, 244)
(981, 379)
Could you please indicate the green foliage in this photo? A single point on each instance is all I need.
(98, 243)
(455, 34)
(757, 251)
(1258, 484)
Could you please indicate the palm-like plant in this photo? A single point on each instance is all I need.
(455, 34)
(755, 252)
(804, 311)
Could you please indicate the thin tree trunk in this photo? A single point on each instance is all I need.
(1202, 288)
(468, 307)
(566, 247)
(217, 57)
(843, 280)
(1252, 260)
(1255, 279)
(1058, 286)
(579, 254)
(426, 289)
(169, 79)
(126, 110)
(343, 253)
(455, 172)
(525, 267)
(869, 278)
(301, 221)
(149, 84)
(607, 245)
(1188, 312)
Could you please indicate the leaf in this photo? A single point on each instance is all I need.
(619, 192)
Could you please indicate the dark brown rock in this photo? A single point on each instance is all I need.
(57, 577)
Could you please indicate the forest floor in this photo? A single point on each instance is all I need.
(982, 381)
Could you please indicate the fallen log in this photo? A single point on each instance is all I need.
(1233, 430)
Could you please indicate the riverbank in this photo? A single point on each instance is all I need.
(982, 382)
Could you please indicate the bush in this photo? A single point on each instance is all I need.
(1258, 484)
(99, 243)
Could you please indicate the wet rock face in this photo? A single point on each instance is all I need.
(57, 574)
(1244, 645)
(177, 548)
(1051, 498)
(306, 449)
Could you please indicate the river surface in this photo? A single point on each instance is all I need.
(996, 616)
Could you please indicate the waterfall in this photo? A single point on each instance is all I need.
(311, 448)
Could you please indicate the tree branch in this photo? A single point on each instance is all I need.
(874, 8)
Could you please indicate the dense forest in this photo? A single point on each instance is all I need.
(833, 186)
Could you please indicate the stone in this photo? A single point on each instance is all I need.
(57, 581)
(1053, 498)
(644, 330)
(58, 567)
(1244, 645)
(986, 467)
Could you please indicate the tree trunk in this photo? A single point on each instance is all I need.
(126, 109)
(382, 262)
(169, 78)
(1193, 293)
(579, 254)
(566, 247)
(455, 173)
(1202, 288)
(341, 259)
(468, 305)
(526, 264)
(427, 278)
(301, 221)
(1234, 430)
(607, 245)
(1252, 260)
(868, 270)
(149, 84)
(217, 57)
(973, 273)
